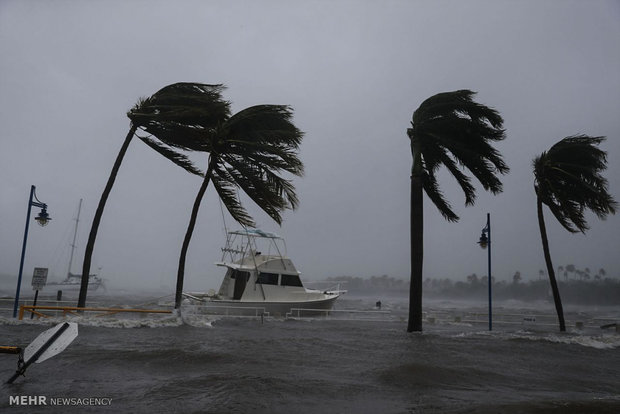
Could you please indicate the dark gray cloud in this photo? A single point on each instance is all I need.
(354, 71)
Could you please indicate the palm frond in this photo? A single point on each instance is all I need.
(268, 194)
(227, 190)
(568, 180)
(452, 130)
(270, 124)
(182, 115)
(431, 188)
(179, 159)
(457, 102)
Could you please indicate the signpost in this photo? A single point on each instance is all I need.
(39, 279)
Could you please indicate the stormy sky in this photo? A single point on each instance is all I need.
(354, 72)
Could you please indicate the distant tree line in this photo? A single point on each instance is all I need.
(597, 290)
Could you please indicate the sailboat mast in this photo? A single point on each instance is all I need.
(77, 220)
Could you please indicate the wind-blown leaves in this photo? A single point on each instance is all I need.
(177, 158)
(182, 114)
(452, 130)
(252, 148)
(569, 181)
(226, 188)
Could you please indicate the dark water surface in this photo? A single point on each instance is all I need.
(198, 364)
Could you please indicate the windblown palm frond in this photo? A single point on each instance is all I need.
(226, 188)
(177, 158)
(568, 180)
(253, 148)
(182, 114)
(452, 130)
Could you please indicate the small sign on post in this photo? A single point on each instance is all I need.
(39, 278)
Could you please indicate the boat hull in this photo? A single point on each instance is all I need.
(257, 308)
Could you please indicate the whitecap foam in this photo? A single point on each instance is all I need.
(172, 320)
(603, 341)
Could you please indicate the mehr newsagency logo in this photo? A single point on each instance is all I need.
(40, 400)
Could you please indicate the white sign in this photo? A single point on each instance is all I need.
(39, 278)
(60, 343)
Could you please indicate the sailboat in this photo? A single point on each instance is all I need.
(73, 281)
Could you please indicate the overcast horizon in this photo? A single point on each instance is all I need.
(354, 72)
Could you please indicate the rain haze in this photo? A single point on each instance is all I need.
(354, 72)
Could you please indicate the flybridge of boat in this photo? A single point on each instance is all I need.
(250, 243)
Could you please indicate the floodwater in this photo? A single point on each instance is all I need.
(362, 362)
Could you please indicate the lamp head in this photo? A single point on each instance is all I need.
(483, 242)
(43, 217)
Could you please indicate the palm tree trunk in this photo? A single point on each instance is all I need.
(188, 235)
(550, 271)
(417, 255)
(90, 245)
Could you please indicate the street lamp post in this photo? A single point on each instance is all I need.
(42, 218)
(485, 241)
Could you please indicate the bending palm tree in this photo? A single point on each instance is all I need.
(177, 115)
(568, 180)
(249, 150)
(448, 129)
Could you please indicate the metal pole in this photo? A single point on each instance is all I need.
(36, 296)
(21, 263)
(490, 279)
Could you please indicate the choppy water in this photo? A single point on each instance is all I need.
(202, 364)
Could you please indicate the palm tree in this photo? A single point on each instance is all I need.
(568, 180)
(248, 150)
(177, 115)
(448, 129)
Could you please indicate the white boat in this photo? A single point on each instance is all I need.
(73, 281)
(260, 278)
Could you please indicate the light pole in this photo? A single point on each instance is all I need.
(42, 218)
(484, 242)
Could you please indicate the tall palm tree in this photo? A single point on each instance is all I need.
(452, 130)
(177, 115)
(249, 150)
(568, 180)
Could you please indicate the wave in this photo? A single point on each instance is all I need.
(600, 341)
(168, 321)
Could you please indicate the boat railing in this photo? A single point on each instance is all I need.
(371, 315)
(207, 307)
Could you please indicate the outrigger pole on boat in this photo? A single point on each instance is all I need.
(73, 246)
